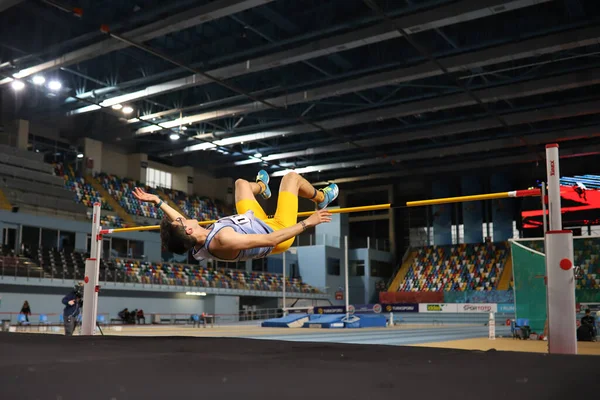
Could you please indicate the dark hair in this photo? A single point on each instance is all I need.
(173, 237)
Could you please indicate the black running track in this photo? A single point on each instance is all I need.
(34, 366)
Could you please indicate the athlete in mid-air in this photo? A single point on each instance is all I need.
(249, 234)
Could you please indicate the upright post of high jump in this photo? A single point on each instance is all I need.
(284, 308)
(91, 277)
(562, 335)
(347, 292)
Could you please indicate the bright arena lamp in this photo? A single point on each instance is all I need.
(18, 85)
(39, 80)
(54, 85)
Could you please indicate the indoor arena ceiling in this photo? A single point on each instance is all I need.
(339, 90)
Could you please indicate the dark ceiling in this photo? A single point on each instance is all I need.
(339, 90)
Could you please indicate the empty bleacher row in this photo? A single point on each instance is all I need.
(50, 263)
(196, 207)
(84, 192)
(464, 267)
(178, 274)
(121, 189)
(29, 182)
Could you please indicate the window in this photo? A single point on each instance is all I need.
(333, 266)
(158, 178)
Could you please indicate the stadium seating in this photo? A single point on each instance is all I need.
(194, 206)
(193, 275)
(586, 254)
(122, 191)
(464, 267)
(84, 192)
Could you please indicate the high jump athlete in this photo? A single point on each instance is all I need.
(250, 234)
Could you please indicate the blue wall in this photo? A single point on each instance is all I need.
(275, 262)
(311, 262)
(441, 214)
(332, 234)
(151, 241)
(502, 209)
(472, 210)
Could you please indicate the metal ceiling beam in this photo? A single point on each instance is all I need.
(526, 117)
(579, 151)
(507, 92)
(588, 132)
(464, 62)
(458, 12)
(199, 15)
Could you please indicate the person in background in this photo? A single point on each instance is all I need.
(589, 321)
(73, 302)
(26, 310)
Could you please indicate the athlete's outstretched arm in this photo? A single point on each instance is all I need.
(231, 240)
(141, 195)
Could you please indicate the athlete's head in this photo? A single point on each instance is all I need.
(179, 236)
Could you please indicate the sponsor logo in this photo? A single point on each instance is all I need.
(435, 307)
(470, 307)
(377, 308)
(552, 171)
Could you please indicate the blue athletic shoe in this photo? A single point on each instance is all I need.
(263, 177)
(331, 193)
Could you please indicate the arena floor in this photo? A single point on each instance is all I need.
(249, 362)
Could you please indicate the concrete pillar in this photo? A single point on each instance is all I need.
(136, 166)
(22, 134)
(92, 149)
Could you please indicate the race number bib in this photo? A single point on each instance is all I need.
(240, 219)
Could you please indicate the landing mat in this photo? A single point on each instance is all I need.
(39, 366)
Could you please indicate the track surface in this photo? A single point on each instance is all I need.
(54, 367)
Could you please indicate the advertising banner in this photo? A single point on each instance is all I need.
(477, 308)
(365, 308)
(330, 310)
(506, 308)
(401, 307)
(438, 307)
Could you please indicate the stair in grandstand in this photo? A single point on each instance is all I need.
(11, 265)
(127, 219)
(395, 285)
(506, 276)
(4, 203)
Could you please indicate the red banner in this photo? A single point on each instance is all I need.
(411, 297)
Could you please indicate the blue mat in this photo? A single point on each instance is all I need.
(368, 321)
(325, 321)
(283, 322)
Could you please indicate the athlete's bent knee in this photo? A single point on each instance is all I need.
(291, 176)
(241, 182)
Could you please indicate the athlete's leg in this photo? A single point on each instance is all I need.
(293, 186)
(245, 200)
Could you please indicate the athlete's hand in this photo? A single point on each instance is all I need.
(319, 217)
(139, 194)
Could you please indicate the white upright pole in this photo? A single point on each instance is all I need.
(562, 319)
(90, 281)
(544, 216)
(346, 292)
(553, 173)
(284, 268)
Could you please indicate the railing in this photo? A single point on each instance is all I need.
(11, 267)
